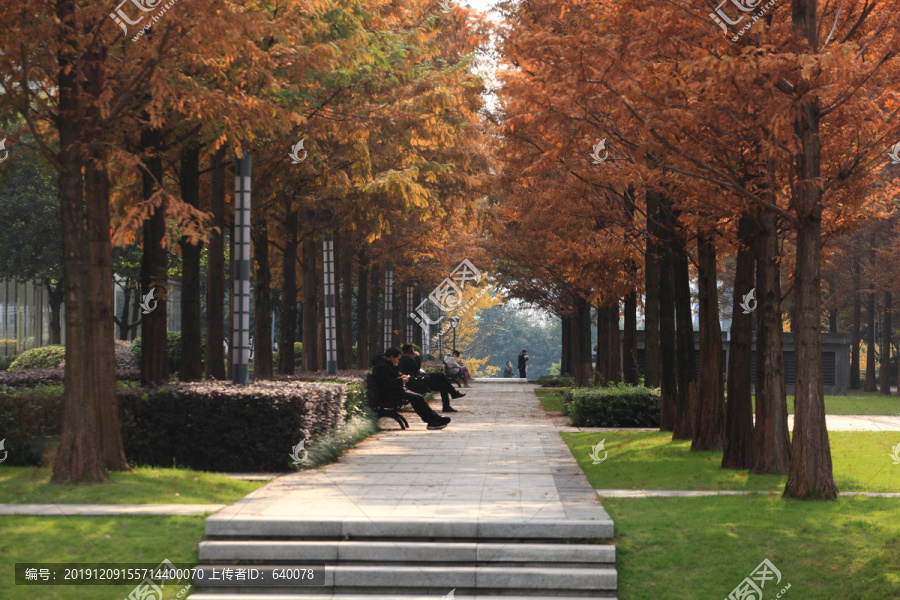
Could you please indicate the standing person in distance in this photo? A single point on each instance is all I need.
(523, 359)
(508, 371)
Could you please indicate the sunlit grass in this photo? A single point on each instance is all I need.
(131, 539)
(143, 485)
(651, 460)
(689, 548)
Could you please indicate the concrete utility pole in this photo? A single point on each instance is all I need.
(330, 324)
(240, 350)
(388, 303)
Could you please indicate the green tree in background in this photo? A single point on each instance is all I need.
(505, 330)
(30, 248)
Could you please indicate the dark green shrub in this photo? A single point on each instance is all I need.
(215, 426)
(616, 406)
(45, 357)
(5, 361)
(30, 421)
(298, 353)
(355, 403)
(173, 350)
(554, 381)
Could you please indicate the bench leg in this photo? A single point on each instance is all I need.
(391, 414)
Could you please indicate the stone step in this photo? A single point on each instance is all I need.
(332, 551)
(230, 527)
(369, 579)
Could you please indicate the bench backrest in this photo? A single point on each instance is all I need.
(375, 400)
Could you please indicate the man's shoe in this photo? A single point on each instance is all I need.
(457, 394)
(438, 424)
(449, 409)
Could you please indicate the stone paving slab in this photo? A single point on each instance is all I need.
(499, 461)
(108, 510)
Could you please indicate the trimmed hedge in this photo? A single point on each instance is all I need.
(216, 426)
(35, 377)
(44, 357)
(30, 421)
(617, 406)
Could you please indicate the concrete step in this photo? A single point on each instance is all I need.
(229, 527)
(343, 552)
(392, 579)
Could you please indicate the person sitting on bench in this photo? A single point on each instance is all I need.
(422, 382)
(454, 367)
(389, 384)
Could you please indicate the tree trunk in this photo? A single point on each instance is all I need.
(135, 312)
(191, 336)
(651, 295)
(855, 382)
(565, 360)
(582, 339)
(122, 321)
(810, 473)
(686, 354)
(362, 314)
(154, 267)
(321, 359)
(870, 345)
(262, 299)
(710, 410)
(630, 370)
(346, 320)
(668, 376)
(90, 441)
(377, 290)
(340, 350)
(215, 289)
(310, 358)
(55, 297)
(287, 318)
(885, 386)
(771, 441)
(602, 341)
(613, 343)
(738, 451)
(832, 321)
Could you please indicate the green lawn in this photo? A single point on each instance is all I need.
(143, 485)
(139, 539)
(651, 460)
(689, 548)
(551, 399)
(857, 403)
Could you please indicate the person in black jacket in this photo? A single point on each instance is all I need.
(389, 384)
(523, 359)
(422, 382)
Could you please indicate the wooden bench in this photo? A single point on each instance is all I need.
(457, 378)
(384, 407)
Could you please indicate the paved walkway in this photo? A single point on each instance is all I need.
(499, 460)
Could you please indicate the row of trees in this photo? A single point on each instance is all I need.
(633, 156)
(141, 133)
